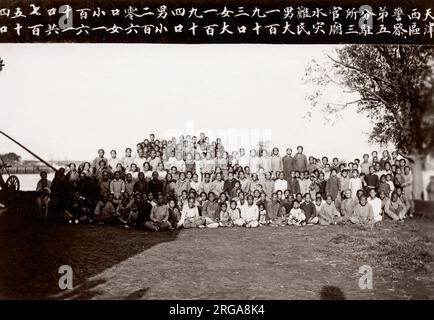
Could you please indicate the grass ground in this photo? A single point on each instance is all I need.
(228, 263)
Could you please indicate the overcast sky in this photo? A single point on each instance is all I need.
(65, 101)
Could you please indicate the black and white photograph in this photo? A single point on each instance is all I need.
(216, 169)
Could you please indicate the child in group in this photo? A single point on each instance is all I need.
(123, 211)
(223, 198)
(113, 161)
(398, 178)
(355, 183)
(206, 184)
(201, 201)
(309, 210)
(328, 213)
(333, 185)
(318, 204)
(327, 171)
(304, 182)
(389, 181)
(344, 180)
(211, 212)
(347, 205)
(257, 195)
(250, 213)
(233, 195)
(183, 199)
(128, 159)
(296, 215)
(174, 213)
(294, 184)
(147, 171)
(322, 186)
(244, 182)
(43, 198)
(283, 213)
(363, 213)
(182, 185)
(209, 164)
(105, 212)
(254, 182)
(263, 218)
(190, 216)
(268, 184)
(171, 161)
(335, 165)
(393, 208)
(376, 204)
(161, 172)
(313, 185)
(129, 184)
(169, 185)
(199, 166)
(117, 188)
(273, 209)
(77, 209)
(159, 218)
(190, 164)
(194, 183)
(280, 183)
(234, 214)
(225, 218)
(133, 218)
(180, 163)
(384, 186)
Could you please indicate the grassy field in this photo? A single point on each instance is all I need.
(228, 263)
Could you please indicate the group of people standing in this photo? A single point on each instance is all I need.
(194, 182)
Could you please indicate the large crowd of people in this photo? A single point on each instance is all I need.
(194, 182)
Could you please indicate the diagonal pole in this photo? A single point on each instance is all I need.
(29, 151)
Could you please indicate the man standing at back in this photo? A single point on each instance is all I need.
(288, 163)
(300, 160)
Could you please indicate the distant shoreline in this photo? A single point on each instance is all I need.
(21, 169)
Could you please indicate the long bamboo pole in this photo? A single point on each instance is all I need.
(29, 151)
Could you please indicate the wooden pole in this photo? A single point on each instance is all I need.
(29, 151)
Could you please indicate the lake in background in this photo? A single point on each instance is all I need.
(29, 181)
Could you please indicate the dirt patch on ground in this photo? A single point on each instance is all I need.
(312, 262)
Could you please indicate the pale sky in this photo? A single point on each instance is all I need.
(65, 101)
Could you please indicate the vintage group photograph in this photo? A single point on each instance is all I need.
(216, 171)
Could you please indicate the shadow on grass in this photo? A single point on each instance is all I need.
(331, 293)
(31, 252)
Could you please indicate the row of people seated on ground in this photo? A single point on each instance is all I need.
(212, 211)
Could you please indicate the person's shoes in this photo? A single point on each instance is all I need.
(126, 226)
(69, 221)
(201, 226)
(76, 221)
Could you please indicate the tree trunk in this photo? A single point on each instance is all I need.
(417, 169)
